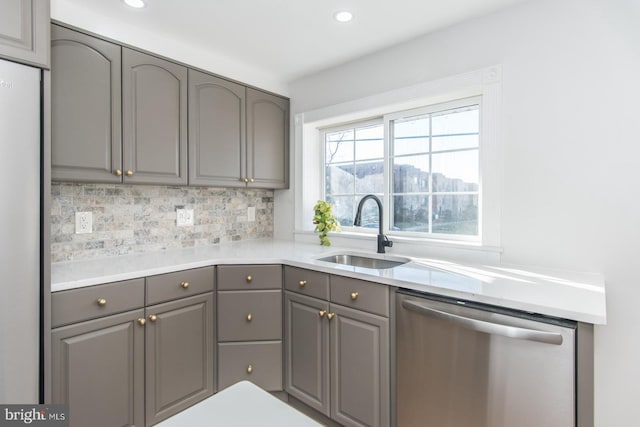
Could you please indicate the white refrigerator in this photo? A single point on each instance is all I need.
(20, 230)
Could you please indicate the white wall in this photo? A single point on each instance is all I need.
(571, 191)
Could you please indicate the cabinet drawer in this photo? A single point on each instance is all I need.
(307, 282)
(258, 362)
(170, 286)
(249, 315)
(246, 277)
(360, 294)
(96, 301)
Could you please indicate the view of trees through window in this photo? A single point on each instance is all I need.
(433, 184)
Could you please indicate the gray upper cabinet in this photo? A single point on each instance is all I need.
(24, 31)
(86, 109)
(154, 120)
(267, 140)
(217, 129)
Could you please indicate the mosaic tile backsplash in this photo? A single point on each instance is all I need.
(131, 219)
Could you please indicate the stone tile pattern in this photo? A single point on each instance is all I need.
(131, 219)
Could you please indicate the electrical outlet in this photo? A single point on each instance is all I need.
(184, 217)
(84, 222)
(251, 214)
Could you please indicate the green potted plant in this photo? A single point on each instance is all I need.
(325, 221)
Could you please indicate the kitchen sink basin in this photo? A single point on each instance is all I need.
(365, 261)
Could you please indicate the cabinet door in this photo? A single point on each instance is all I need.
(267, 140)
(217, 144)
(179, 355)
(154, 119)
(86, 108)
(98, 369)
(24, 31)
(307, 350)
(359, 368)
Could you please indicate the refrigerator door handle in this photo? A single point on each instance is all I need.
(486, 327)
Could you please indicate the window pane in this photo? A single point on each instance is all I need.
(370, 149)
(410, 145)
(343, 209)
(410, 213)
(340, 179)
(456, 121)
(455, 214)
(457, 171)
(411, 127)
(411, 174)
(343, 135)
(339, 151)
(370, 177)
(440, 143)
(370, 132)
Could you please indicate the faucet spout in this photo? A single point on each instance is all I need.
(383, 241)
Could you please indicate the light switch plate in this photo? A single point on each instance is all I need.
(184, 217)
(251, 213)
(84, 222)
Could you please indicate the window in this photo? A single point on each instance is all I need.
(432, 185)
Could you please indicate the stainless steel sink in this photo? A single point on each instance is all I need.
(364, 261)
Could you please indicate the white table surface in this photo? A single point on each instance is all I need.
(241, 405)
(568, 295)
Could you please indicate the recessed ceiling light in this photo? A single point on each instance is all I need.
(135, 3)
(343, 16)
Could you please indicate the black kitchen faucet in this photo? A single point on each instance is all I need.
(382, 239)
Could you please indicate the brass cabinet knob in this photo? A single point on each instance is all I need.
(249, 369)
(249, 279)
(184, 285)
(249, 317)
(102, 302)
(251, 180)
(354, 296)
(321, 313)
(129, 173)
(330, 315)
(302, 283)
(246, 180)
(153, 317)
(118, 172)
(142, 321)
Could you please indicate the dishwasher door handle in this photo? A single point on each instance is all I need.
(486, 327)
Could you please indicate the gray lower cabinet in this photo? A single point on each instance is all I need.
(267, 140)
(154, 108)
(179, 355)
(337, 351)
(250, 325)
(86, 111)
(98, 370)
(24, 31)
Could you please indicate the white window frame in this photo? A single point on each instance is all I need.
(309, 186)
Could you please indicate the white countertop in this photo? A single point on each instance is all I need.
(241, 405)
(568, 295)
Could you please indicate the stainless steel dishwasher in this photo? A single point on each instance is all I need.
(463, 364)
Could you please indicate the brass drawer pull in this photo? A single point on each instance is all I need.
(301, 283)
(249, 317)
(330, 316)
(184, 285)
(118, 172)
(249, 279)
(153, 317)
(321, 313)
(129, 173)
(354, 296)
(102, 302)
(249, 369)
(142, 321)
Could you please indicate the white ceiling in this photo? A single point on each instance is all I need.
(270, 41)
